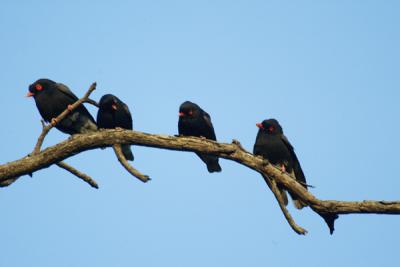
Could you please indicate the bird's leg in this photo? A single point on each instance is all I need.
(54, 121)
(69, 107)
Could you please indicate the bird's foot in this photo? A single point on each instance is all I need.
(202, 137)
(69, 107)
(119, 128)
(54, 121)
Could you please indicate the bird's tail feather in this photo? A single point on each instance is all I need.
(213, 167)
(298, 175)
(299, 204)
(126, 150)
(211, 162)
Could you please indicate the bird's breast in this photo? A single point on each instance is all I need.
(272, 149)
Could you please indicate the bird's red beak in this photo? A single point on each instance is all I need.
(181, 114)
(29, 94)
(259, 125)
(114, 106)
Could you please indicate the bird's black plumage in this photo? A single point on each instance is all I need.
(273, 145)
(53, 98)
(194, 121)
(114, 113)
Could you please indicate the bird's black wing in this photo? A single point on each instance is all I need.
(298, 172)
(64, 89)
(128, 116)
(81, 109)
(210, 133)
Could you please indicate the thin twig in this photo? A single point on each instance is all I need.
(278, 196)
(127, 166)
(78, 174)
(92, 102)
(274, 188)
(48, 127)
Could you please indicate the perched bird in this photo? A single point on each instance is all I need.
(52, 99)
(273, 145)
(113, 113)
(193, 121)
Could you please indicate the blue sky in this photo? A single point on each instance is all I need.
(327, 70)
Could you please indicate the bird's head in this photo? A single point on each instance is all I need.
(188, 110)
(109, 102)
(270, 126)
(40, 86)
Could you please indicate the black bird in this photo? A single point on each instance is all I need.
(193, 121)
(52, 99)
(273, 145)
(113, 113)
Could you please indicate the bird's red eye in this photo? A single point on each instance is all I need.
(190, 113)
(271, 129)
(39, 87)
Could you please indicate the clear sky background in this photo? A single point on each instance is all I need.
(327, 70)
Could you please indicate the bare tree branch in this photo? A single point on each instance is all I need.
(66, 167)
(78, 174)
(278, 196)
(274, 188)
(37, 160)
(328, 210)
(129, 168)
(107, 138)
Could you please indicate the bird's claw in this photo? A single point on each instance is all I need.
(69, 107)
(54, 121)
